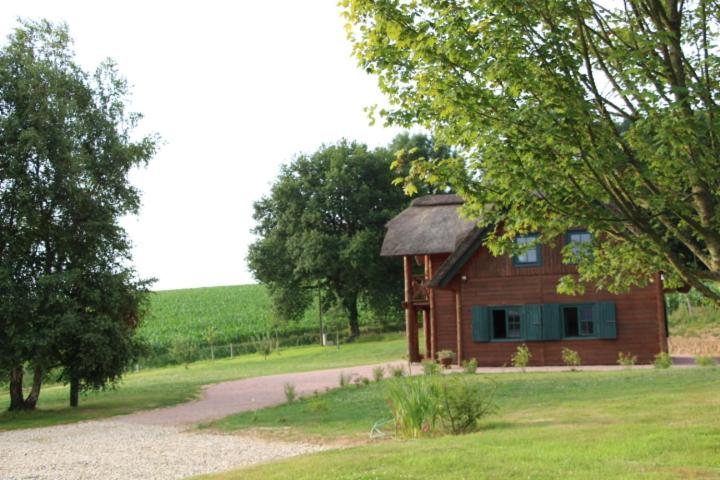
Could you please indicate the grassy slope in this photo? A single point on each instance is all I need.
(632, 424)
(166, 386)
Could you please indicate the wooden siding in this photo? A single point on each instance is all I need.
(495, 281)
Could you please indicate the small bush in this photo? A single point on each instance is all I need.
(290, 393)
(184, 350)
(626, 359)
(571, 358)
(705, 361)
(430, 368)
(396, 371)
(463, 403)
(345, 379)
(663, 360)
(521, 357)
(378, 373)
(265, 344)
(422, 404)
(470, 366)
(361, 381)
(446, 357)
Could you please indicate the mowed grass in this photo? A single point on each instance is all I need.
(159, 387)
(627, 424)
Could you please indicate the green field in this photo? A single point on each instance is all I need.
(627, 424)
(232, 314)
(158, 387)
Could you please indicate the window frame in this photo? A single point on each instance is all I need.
(538, 252)
(569, 242)
(506, 309)
(594, 321)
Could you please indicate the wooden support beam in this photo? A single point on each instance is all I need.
(458, 322)
(411, 324)
(661, 313)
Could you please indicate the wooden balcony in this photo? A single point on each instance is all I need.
(418, 290)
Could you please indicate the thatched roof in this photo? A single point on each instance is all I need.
(431, 224)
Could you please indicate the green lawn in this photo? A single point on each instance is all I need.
(628, 424)
(170, 385)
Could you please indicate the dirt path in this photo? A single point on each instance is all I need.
(223, 399)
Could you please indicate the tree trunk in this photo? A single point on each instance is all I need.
(74, 391)
(352, 309)
(32, 398)
(17, 399)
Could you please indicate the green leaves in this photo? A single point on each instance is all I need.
(564, 114)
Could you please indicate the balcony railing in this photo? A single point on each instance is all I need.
(419, 290)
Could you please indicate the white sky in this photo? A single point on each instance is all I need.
(235, 89)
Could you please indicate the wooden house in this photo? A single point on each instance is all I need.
(483, 307)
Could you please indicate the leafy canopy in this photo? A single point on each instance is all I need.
(567, 113)
(322, 227)
(69, 296)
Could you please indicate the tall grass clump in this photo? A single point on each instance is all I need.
(378, 373)
(662, 360)
(571, 358)
(434, 404)
(521, 357)
(414, 406)
(470, 366)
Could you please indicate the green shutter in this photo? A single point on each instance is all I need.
(551, 324)
(605, 321)
(480, 324)
(531, 322)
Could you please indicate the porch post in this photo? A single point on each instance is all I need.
(411, 324)
(458, 323)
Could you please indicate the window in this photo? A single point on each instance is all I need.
(578, 321)
(578, 240)
(531, 256)
(506, 322)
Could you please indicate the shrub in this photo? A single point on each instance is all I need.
(378, 373)
(361, 381)
(290, 393)
(318, 405)
(396, 371)
(663, 360)
(345, 379)
(463, 403)
(470, 366)
(626, 360)
(571, 358)
(414, 406)
(521, 357)
(184, 350)
(456, 403)
(430, 368)
(265, 344)
(705, 361)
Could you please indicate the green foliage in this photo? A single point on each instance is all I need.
(71, 298)
(378, 373)
(662, 360)
(470, 366)
(446, 356)
(290, 393)
(464, 402)
(422, 404)
(705, 361)
(265, 344)
(413, 403)
(521, 357)
(565, 114)
(321, 228)
(626, 359)
(571, 358)
(430, 368)
(396, 371)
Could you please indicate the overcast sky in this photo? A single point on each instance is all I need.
(235, 89)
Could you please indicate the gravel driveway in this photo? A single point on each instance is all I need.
(161, 444)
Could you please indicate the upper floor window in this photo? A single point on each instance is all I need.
(578, 241)
(531, 256)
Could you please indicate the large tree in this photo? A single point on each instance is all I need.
(322, 227)
(568, 113)
(70, 298)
